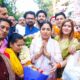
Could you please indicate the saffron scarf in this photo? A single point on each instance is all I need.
(15, 63)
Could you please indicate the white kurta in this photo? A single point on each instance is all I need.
(72, 69)
(52, 47)
(20, 29)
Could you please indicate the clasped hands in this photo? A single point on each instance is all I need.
(43, 50)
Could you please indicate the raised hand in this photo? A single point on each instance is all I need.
(45, 52)
(38, 54)
(72, 49)
(53, 69)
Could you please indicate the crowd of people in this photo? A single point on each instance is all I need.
(55, 46)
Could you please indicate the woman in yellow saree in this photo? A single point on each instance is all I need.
(15, 45)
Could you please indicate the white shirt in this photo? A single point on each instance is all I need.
(52, 47)
(72, 69)
(20, 29)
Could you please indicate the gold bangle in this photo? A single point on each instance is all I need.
(58, 65)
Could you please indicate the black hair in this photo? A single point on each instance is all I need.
(6, 20)
(29, 12)
(47, 22)
(2, 5)
(60, 13)
(41, 11)
(13, 38)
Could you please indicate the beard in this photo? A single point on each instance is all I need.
(30, 24)
(40, 23)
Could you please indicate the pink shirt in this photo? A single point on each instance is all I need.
(3, 46)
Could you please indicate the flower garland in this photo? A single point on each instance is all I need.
(24, 55)
(77, 35)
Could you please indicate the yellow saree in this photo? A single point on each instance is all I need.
(15, 63)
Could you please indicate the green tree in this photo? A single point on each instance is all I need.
(1, 2)
(10, 5)
(46, 5)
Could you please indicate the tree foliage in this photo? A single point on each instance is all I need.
(10, 5)
(45, 5)
(1, 2)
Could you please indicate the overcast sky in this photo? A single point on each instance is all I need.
(26, 5)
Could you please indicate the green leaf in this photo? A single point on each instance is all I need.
(28, 41)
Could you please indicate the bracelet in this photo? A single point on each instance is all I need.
(58, 65)
(28, 63)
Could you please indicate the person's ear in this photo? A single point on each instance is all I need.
(11, 44)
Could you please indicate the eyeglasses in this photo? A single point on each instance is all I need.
(30, 18)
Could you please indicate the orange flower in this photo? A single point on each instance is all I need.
(77, 35)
